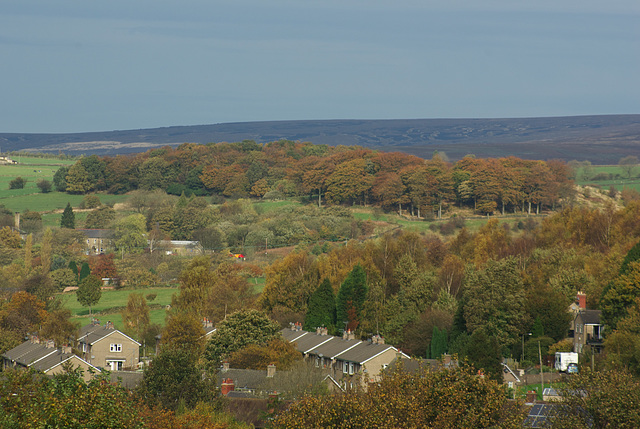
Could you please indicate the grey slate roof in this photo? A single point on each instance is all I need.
(91, 334)
(291, 335)
(310, 341)
(51, 360)
(590, 317)
(27, 353)
(364, 352)
(335, 347)
(97, 233)
(37, 356)
(243, 378)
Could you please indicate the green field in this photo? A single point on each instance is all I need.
(618, 179)
(113, 301)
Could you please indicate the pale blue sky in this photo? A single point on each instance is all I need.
(78, 65)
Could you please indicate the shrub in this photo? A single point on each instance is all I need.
(17, 183)
(90, 202)
(44, 186)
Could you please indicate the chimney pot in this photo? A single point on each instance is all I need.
(581, 297)
(227, 386)
(271, 370)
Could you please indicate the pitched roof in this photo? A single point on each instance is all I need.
(28, 352)
(56, 359)
(364, 352)
(590, 317)
(38, 356)
(292, 335)
(92, 333)
(335, 347)
(243, 378)
(306, 343)
(97, 233)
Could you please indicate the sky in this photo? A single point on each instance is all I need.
(78, 65)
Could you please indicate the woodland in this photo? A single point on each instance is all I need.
(490, 255)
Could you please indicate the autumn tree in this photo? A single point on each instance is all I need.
(23, 313)
(129, 233)
(277, 351)
(495, 301)
(135, 316)
(237, 331)
(77, 179)
(185, 332)
(289, 282)
(64, 400)
(100, 218)
(58, 327)
(600, 399)
(421, 398)
(103, 266)
(89, 291)
(46, 250)
(173, 380)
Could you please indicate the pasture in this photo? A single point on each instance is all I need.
(112, 302)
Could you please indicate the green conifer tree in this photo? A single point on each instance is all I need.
(68, 218)
(84, 271)
(321, 310)
(351, 297)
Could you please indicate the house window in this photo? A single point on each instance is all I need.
(345, 367)
(115, 348)
(351, 368)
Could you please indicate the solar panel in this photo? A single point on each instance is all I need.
(538, 416)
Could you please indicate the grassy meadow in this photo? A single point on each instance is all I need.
(112, 302)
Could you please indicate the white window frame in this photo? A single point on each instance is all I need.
(351, 368)
(345, 367)
(115, 348)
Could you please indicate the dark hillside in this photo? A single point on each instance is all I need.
(600, 139)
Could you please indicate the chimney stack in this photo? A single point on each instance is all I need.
(66, 349)
(227, 386)
(271, 370)
(225, 366)
(49, 344)
(581, 297)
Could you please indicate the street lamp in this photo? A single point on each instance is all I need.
(522, 359)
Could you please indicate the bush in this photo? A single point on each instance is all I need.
(17, 183)
(44, 186)
(602, 176)
(90, 202)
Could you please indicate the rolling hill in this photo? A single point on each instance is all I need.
(601, 139)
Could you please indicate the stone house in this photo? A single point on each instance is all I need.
(106, 347)
(43, 356)
(345, 359)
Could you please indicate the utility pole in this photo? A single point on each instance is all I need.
(541, 376)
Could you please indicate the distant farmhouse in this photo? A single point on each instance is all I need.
(5, 160)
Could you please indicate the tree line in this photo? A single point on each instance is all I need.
(332, 175)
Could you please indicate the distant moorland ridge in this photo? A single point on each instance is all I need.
(601, 139)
